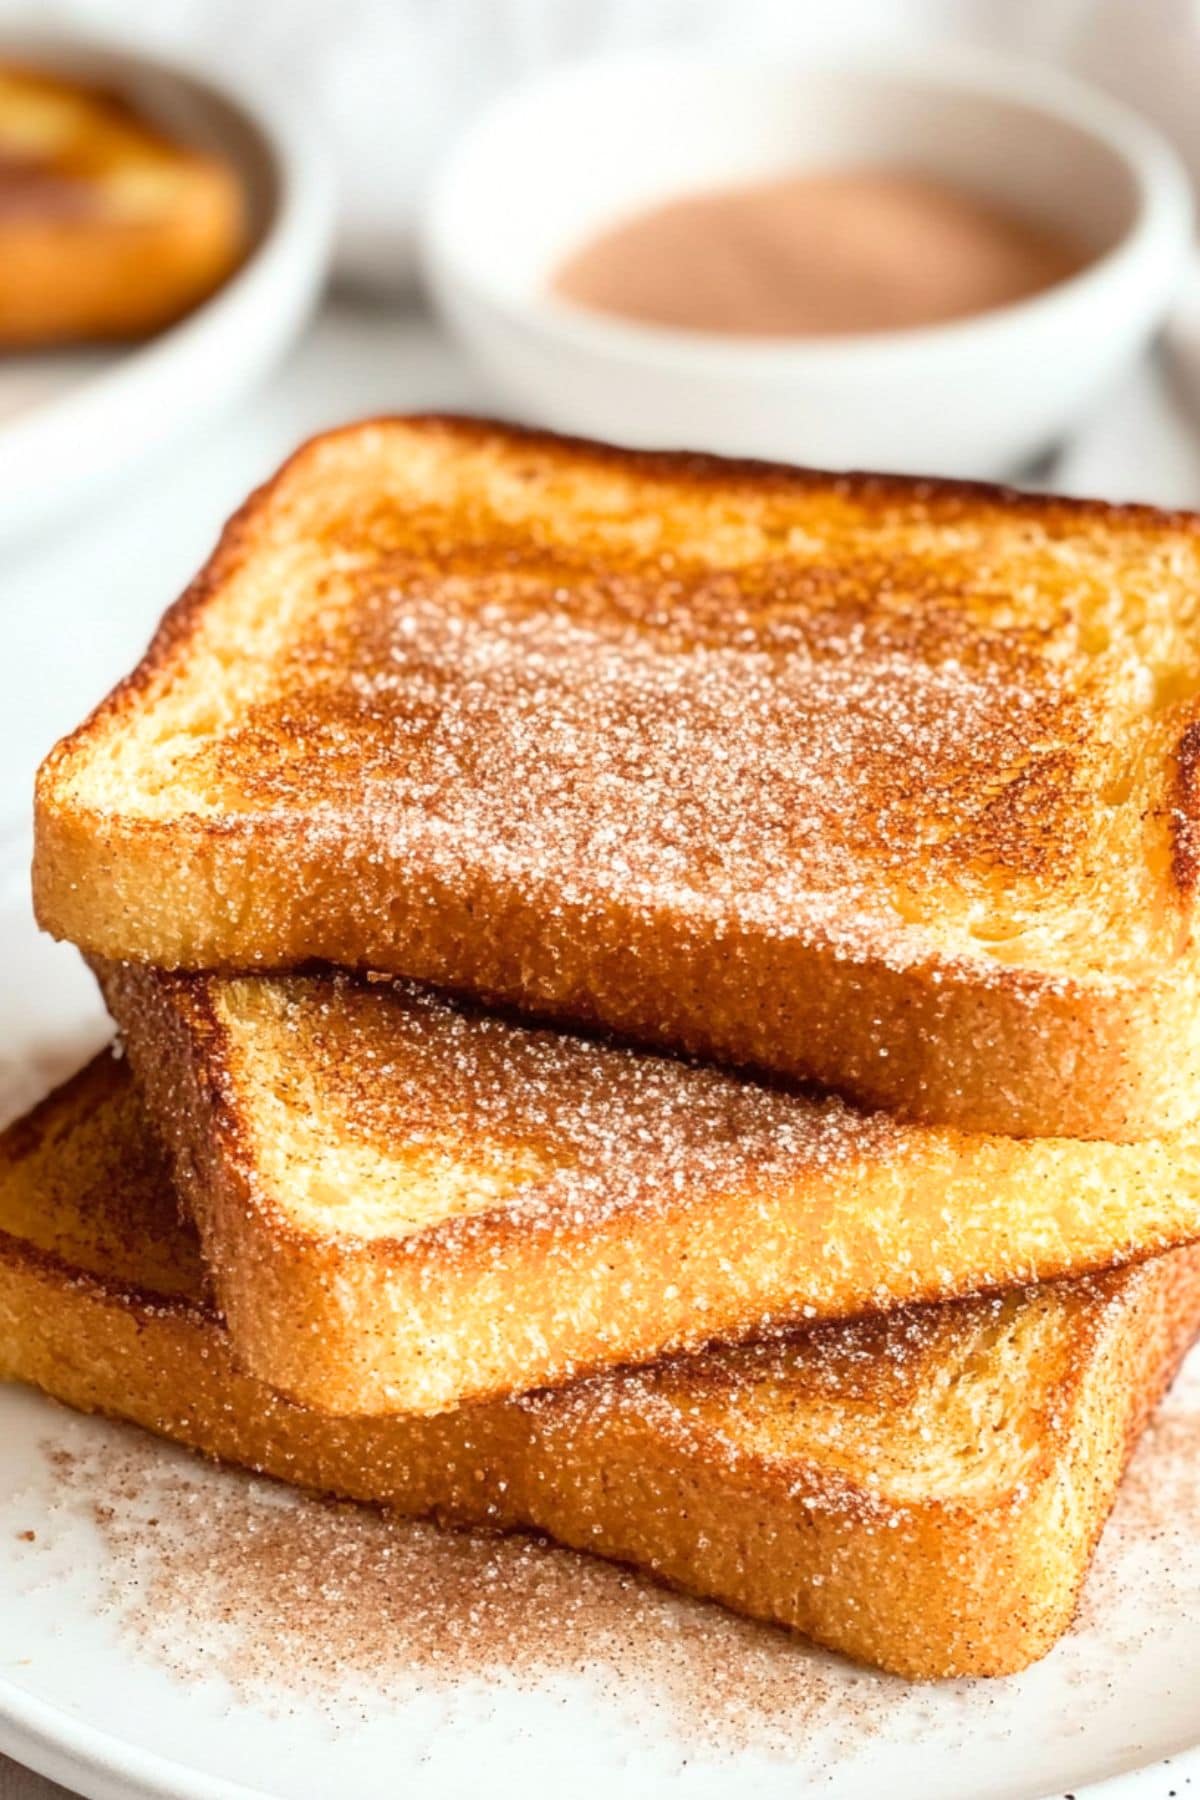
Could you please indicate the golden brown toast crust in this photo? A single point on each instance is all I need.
(922, 1492)
(876, 781)
(407, 1203)
(108, 228)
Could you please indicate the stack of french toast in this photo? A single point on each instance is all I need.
(660, 1005)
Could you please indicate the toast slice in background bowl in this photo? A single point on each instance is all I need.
(112, 228)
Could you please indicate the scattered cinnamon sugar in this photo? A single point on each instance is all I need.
(291, 1598)
(1164, 1478)
(1155, 1525)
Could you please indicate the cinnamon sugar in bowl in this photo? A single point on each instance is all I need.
(584, 151)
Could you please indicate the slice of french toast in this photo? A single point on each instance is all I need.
(922, 1492)
(887, 783)
(109, 228)
(407, 1202)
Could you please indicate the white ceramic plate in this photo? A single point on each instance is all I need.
(172, 1629)
(72, 421)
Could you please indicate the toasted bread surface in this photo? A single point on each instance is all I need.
(922, 1492)
(886, 783)
(407, 1202)
(108, 228)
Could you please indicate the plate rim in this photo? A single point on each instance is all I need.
(45, 1738)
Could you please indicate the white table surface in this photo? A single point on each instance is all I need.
(79, 603)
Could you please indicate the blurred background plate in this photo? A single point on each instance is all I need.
(71, 422)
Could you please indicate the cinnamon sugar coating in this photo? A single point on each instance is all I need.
(883, 783)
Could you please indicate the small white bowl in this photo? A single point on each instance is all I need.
(73, 421)
(555, 162)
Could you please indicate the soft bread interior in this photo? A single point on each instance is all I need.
(378, 1109)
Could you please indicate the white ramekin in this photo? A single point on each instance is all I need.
(553, 162)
